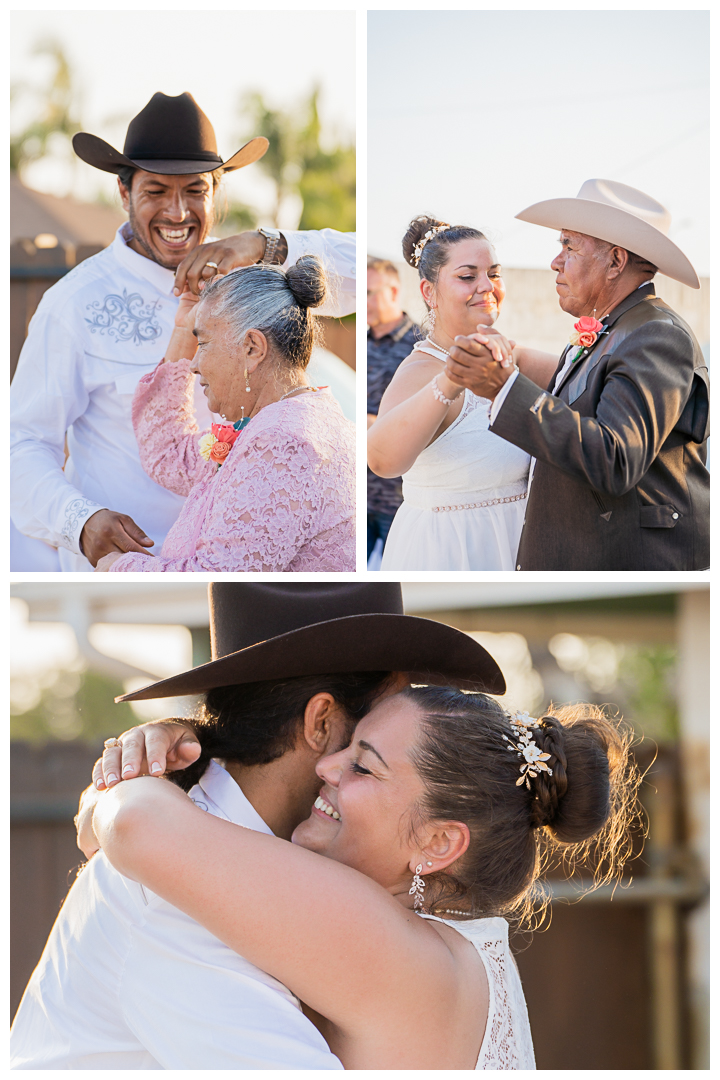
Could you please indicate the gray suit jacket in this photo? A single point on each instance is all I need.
(620, 481)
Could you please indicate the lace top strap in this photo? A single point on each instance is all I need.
(507, 1043)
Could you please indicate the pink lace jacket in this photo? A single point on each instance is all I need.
(283, 499)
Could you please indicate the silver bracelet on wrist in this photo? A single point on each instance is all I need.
(437, 392)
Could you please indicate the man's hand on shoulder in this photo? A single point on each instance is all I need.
(107, 531)
(243, 249)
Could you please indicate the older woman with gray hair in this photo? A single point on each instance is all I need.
(272, 488)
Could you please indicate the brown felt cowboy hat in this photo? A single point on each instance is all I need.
(171, 136)
(260, 632)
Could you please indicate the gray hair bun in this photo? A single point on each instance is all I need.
(307, 281)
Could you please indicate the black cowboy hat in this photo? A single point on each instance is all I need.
(171, 136)
(260, 632)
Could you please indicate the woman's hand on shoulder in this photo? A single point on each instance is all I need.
(147, 750)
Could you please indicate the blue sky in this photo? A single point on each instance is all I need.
(474, 115)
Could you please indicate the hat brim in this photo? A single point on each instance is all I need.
(101, 155)
(430, 652)
(615, 226)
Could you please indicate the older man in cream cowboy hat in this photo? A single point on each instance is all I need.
(619, 433)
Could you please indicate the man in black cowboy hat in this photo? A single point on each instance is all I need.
(107, 323)
(128, 981)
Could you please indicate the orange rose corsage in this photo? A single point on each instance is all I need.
(587, 331)
(216, 444)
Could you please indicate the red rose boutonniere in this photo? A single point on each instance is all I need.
(216, 444)
(587, 331)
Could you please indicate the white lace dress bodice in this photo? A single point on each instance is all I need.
(464, 497)
(507, 1043)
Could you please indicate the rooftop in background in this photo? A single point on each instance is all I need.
(35, 214)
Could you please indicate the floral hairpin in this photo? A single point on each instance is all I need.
(522, 725)
(429, 235)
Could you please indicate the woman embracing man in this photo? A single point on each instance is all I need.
(363, 824)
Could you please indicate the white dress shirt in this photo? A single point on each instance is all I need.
(127, 981)
(94, 335)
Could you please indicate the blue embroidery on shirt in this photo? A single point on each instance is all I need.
(126, 318)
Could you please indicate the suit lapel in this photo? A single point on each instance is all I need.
(646, 292)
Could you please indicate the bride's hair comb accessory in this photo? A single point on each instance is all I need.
(522, 725)
(429, 235)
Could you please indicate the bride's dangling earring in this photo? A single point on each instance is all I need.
(417, 889)
(431, 321)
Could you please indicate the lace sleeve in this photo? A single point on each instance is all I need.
(280, 502)
(165, 428)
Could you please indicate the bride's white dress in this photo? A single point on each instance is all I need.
(507, 1043)
(464, 497)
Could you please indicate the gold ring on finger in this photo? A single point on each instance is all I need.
(111, 742)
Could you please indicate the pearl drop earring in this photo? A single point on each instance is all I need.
(247, 382)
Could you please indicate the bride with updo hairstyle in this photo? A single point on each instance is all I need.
(464, 488)
(272, 486)
(434, 826)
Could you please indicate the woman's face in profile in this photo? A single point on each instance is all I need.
(470, 289)
(363, 813)
(219, 366)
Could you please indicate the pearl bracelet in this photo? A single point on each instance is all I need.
(437, 392)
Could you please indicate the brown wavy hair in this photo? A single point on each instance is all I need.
(586, 810)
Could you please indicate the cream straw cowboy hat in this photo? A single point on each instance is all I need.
(621, 215)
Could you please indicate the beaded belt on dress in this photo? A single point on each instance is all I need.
(479, 505)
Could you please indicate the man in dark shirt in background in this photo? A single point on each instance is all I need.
(391, 336)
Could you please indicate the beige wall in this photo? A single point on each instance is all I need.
(532, 316)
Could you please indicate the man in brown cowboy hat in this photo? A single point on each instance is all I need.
(107, 323)
(127, 980)
(619, 433)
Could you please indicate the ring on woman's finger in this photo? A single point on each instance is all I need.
(214, 265)
(111, 742)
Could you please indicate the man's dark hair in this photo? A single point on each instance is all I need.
(126, 173)
(256, 723)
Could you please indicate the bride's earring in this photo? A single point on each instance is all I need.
(417, 889)
(431, 321)
(247, 382)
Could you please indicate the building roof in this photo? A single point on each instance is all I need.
(72, 222)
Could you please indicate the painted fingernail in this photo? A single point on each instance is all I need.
(155, 767)
(99, 783)
(112, 778)
(176, 292)
(127, 769)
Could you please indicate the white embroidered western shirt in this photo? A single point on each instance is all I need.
(94, 335)
(127, 981)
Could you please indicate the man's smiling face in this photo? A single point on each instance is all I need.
(169, 215)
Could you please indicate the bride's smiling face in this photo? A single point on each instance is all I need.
(469, 290)
(363, 814)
